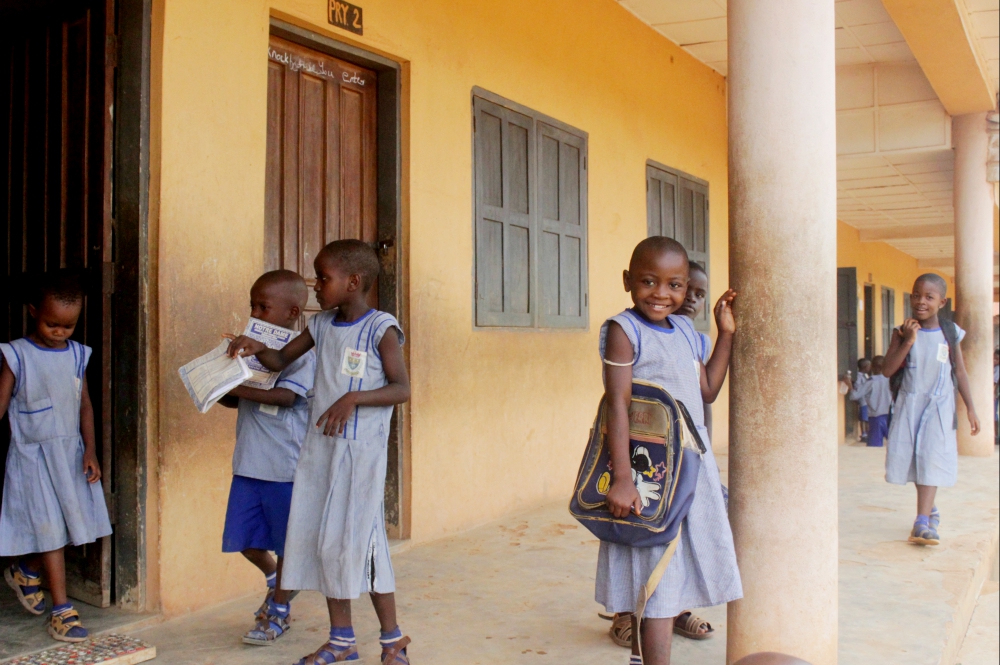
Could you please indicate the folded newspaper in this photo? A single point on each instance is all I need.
(273, 337)
(214, 374)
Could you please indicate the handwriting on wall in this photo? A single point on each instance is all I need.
(347, 16)
(298, 64)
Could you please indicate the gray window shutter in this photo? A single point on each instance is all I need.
(504, 172)
(661, 197)
(562, 206)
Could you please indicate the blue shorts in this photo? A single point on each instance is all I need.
(863, 415)
(257, 515)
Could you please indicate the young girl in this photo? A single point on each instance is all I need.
(649, 342)
(922, 448)
(52, 495)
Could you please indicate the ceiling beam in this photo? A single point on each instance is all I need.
(907, 232)
(944, 45)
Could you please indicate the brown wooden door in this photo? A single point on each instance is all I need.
(56, 90)
(321, 157)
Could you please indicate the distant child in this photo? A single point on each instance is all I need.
(270, 427)
(864, 376)
(52, 494)
(875, 392)
(922, 448)
(652, 343)
(336, 540)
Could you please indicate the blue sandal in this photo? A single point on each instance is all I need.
(396, 654)
(65, 626)
(328, 654)
(27, 586)
(935, 518)
(271, 624)
(924, 534)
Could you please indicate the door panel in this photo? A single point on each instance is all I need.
(55, 209)
(847, 333)
(321, 157)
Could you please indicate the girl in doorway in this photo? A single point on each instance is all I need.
(52, 493)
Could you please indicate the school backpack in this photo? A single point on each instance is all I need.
(666, 456)
(950, 331)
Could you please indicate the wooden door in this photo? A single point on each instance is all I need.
(56, 91)
(888, 316)
(847, 333)
(869, 321)
(321, 157)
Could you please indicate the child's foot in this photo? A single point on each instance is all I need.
(935, 518)
(923, 533)
(621, 630)
(27, 585)
(65, 625)
(394, 648)
(270, 626)
(341, 648)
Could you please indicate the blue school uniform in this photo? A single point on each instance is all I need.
(922, 446)
(268, 441)
(47, 501)
(857, 394)
(874, 392)
(703, 571)
(337, 542)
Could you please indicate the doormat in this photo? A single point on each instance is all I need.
(104, 650)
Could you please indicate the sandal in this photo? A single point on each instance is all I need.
(691, 626)
(65, 626)
(934, 520)
(396, 654)
(621, 629)
(924, 534)
(269, 628)
(329, 654)
(27, 588)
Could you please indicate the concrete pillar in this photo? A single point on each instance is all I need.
(783, 248)
(974, 274)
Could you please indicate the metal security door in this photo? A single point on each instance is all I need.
(56, 90)
(321, 157)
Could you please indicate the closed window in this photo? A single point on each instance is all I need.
(907, 308)
(677, 207)
(530, 176)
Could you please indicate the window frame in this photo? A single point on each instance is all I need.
(535, 320)
(705, 323)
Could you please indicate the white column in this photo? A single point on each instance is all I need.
(783, 247)
(974, 274)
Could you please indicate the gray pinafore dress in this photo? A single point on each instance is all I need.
(703, 571)
(47, 501)
(922, 447)
(336, 541)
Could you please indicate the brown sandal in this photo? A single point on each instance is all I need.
(621, 630)
(395, 655)
(688, 627)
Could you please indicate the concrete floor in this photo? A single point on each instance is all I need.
(520, 591)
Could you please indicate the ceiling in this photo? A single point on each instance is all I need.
(894, 163)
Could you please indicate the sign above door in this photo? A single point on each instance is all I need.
(346, 16)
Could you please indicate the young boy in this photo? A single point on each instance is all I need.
(875, 392)
(864, 376)
(336, 530)
(922, 446)
(270, 428)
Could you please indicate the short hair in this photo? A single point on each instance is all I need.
(694, 266)
(288, 280)
(355, 257)
(878, 361)
(936, 280)
(63, 285)
(656, 245)
(862, 361)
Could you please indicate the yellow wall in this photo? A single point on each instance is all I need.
(498, 417)
(888, 267)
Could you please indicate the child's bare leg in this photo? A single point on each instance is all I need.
(262, 559)
(385, 609)
(54, 565)
(281, 596)
(925, 499)
(657, 636)
(340, 612)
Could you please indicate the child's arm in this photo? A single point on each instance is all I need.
(90, 466)
(902, 340)
(7, 381)
(715, 372)
(963, 389)
(275, 396)
(863, 392)
(623, 497)
(274, 359)
(396, 391)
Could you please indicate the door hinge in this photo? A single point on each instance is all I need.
(108, 272)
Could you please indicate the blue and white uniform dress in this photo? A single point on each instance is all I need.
(47, 501)
(703, 571)
(922, 446)
(336, 541)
